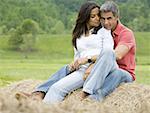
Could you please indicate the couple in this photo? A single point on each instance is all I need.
(94, 56)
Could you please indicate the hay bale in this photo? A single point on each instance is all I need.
(127, 98)
(130, 98)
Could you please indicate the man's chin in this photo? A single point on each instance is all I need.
(108, 28)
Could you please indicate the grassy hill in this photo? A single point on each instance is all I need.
(54, 51)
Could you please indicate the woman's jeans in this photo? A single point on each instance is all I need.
(61, 88)
(103, 79)
(44, 87)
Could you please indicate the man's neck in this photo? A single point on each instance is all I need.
(115, 27)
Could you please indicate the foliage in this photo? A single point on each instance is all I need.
(29, 26)
(15, 39)
(58, 28)
(134, 13)
(3, 29)
(24, 37)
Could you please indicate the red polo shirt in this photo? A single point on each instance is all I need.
(124, 36)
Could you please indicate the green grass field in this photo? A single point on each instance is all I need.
(54, 51)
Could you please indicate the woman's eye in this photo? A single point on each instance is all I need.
(92, 16)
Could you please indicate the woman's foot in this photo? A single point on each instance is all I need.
(34, 96)
(83, 95)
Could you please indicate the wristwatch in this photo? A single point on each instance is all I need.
(89, 59)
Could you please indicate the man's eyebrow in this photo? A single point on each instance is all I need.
(106, 18)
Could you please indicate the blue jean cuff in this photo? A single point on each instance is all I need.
(88, 91)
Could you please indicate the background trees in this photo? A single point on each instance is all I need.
(47, 13)
(24, 37)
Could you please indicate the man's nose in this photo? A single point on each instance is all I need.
(105, 21)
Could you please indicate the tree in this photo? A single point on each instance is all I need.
(29, 31)
(24, 37)
(15, 39)
(58, 28)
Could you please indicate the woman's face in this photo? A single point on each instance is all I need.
(94, 20)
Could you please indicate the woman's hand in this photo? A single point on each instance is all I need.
(80, 61)
(72, 66)
(76, 64)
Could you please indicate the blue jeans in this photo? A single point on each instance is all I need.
(105, 76)
(103, 79)
(64, 71)
(61, 88)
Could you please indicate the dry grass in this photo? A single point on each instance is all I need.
(128, 98)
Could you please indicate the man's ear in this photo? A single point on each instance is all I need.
(118, 17)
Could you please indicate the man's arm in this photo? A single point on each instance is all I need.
(121, 51)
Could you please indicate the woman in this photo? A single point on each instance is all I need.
(88, 41)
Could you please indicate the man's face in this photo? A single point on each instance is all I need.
(108, 20)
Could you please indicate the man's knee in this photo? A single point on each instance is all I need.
(107, 51)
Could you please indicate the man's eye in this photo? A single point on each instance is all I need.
(109, 18)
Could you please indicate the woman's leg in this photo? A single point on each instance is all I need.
(63, 72)
(60, 89)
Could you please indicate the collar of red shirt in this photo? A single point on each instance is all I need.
(117, 30)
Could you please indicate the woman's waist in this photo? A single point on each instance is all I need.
(90, 53)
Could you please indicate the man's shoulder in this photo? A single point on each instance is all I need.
(124, 33)
(124, 28)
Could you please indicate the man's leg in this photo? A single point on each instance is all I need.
(112, 81)
(105, 64)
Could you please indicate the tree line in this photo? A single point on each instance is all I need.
(56, 16)
(23, 19)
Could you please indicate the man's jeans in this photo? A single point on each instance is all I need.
(105, 76)
(64, 71)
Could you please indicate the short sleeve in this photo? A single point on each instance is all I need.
(127, 38)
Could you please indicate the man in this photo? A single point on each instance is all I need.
(105, 75)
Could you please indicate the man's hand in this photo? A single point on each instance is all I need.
(87, 72)
(121, 51)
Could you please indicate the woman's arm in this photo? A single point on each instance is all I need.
(82, 61)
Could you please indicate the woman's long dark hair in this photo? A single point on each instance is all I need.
(82, 19)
